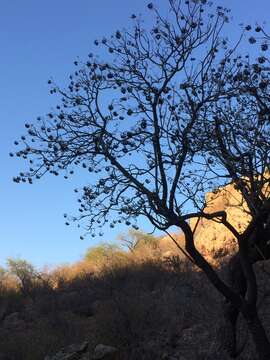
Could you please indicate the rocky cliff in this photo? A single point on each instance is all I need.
(212, 238)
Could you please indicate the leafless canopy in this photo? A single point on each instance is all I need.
(135, 120)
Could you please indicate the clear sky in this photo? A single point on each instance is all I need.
(39, 40)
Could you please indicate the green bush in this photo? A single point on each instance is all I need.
(105, 254)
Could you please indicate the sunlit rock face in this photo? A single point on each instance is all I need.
(213, 239)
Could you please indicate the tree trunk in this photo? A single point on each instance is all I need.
(236, 280)
(228, 330)
(258, 334)
(246, 305)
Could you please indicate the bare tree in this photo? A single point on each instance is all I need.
(142, 122)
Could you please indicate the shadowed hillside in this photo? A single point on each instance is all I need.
(143, 303)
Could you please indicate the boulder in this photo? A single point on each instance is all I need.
(14, 321)
(72, 352)
(105, 352)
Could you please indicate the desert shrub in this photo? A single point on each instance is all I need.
(149, 303)
(63, 275)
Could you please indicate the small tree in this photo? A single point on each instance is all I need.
(136, 239)
(156, 127)
(104, 254)
(24, 272)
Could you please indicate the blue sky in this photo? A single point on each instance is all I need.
(39, 40)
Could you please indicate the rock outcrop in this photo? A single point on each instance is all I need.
(213, 239)
(72, 352)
